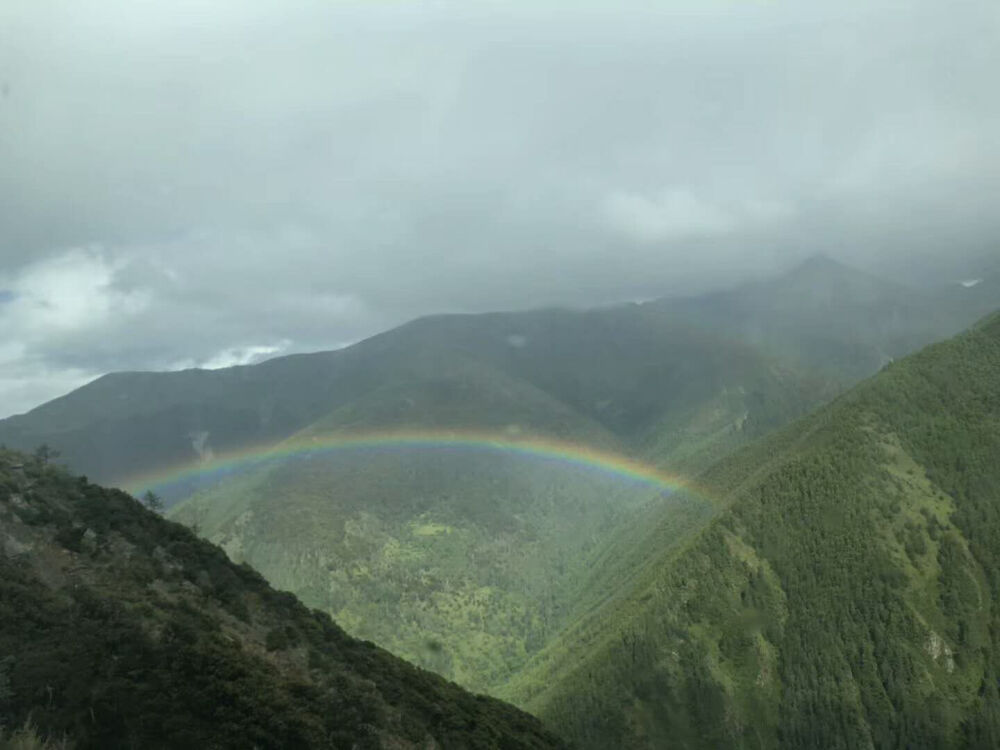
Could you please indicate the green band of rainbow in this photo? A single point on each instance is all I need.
(574, 455)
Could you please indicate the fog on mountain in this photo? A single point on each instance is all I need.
(422, 375)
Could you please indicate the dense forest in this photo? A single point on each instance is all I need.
(846, 597)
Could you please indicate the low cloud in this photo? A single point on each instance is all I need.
(69, 292)
(669, 215)
(233, 356)
(192, 184)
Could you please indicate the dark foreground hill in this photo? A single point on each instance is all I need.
(121, 629)
(848, 596)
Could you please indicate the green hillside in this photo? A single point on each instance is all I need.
(845, 597)
(120, 630)
(462, 558)
(468, 562)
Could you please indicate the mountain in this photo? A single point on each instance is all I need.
(121, 629)
(463, 557)
(832, 318)
(680, 381)
(127, 423)
(625, 369)
(846, 594)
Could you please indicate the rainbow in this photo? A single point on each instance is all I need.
(573, 455)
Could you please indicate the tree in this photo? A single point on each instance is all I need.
(152, 501)
(5, 690)
(44, 453)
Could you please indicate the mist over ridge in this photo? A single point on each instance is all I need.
(429, 375)
(187, 186)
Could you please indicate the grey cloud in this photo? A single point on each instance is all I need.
(276, 176)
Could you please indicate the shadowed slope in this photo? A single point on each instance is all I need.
(124, 630)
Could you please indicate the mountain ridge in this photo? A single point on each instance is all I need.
(623, 367)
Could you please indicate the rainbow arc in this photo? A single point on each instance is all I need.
(574, 455)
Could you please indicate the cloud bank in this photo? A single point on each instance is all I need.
(201, 184)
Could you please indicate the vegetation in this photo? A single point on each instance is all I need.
(27, 738)
(468, 562)
(152, 501)
(464, 561)
(847, 596)
(627, 617)
(120, 629)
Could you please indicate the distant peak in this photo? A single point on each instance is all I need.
(825, 268)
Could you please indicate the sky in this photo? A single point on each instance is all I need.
(192, 184)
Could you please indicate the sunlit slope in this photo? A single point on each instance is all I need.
(846, 598)
(461, 557)
(121, 630)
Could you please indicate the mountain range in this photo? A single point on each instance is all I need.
(664, 375)
(639, 522)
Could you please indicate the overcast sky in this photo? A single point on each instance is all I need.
(207, 183)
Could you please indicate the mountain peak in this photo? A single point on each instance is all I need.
(824, 276)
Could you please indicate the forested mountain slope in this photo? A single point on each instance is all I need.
(847, 596)
(121, 629)
(461, 557)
